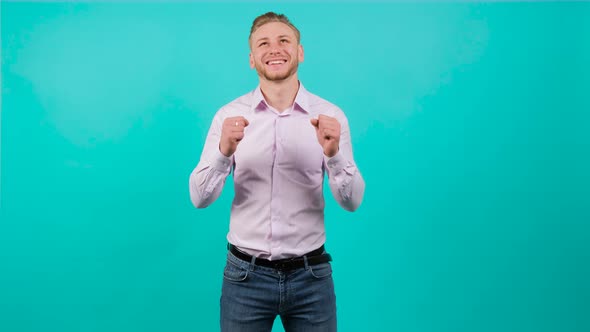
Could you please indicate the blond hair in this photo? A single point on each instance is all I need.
(272, 17)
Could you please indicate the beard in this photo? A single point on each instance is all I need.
(276, 75)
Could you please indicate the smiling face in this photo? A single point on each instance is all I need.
(275, 51)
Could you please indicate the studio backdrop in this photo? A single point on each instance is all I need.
(470, 123)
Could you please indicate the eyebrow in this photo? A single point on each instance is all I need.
(266, 38)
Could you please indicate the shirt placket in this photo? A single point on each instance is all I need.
(276, 216)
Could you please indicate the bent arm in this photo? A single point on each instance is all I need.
(346, 182)
(207, 179)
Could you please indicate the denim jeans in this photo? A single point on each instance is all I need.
(252, 296)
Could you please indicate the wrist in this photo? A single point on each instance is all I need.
(225, 151)
(331, 152)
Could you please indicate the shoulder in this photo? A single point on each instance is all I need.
(239, 106)
(319, 105)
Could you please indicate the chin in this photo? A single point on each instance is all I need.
(277, 77)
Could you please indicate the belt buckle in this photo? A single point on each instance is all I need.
(286, 265)
(282, 266)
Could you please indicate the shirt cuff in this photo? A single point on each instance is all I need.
(335, 163)
(220, 162)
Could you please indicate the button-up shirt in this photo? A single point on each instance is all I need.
(278, 169)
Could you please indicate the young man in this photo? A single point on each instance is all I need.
(279, 139)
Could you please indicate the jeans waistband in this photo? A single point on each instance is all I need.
(314, 257)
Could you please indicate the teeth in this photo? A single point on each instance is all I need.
(278, 62)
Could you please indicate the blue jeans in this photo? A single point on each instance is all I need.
(252, 296)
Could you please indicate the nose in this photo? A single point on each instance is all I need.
(275, 48)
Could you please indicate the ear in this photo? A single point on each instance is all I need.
(251, 61)
(300, 55)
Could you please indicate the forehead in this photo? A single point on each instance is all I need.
(273, 29)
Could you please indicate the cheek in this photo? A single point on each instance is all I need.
(254, 61)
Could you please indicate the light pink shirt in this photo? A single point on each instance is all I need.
(278, 169)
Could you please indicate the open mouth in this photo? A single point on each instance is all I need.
(276, 62)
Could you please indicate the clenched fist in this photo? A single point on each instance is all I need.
(327, 129)
(232, 132)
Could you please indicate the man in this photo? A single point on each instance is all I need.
(279, 140)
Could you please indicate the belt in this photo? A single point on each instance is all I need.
(313, 258)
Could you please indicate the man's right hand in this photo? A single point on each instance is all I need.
(232, 132)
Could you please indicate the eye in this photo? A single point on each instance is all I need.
(262, 44)
(284, 41)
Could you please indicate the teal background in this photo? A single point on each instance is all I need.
(470, 124)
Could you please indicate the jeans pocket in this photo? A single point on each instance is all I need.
(321, 271)
(233, 272)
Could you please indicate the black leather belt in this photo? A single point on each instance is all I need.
(313, 258)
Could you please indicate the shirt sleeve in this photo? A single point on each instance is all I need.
(345, 180)
(207, 179)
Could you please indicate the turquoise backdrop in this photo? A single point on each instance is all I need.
(470, 123)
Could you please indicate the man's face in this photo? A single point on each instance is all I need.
(275, 52)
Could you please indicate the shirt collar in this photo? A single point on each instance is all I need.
(258, 102)
(301, 100)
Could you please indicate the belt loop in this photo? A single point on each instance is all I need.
(305, 262)
(252, 263)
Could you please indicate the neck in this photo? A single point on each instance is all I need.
(280, 94)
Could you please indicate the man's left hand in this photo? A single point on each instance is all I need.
(327, 129)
